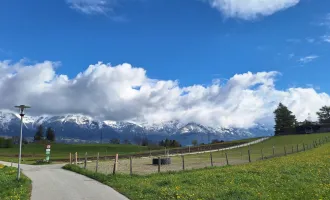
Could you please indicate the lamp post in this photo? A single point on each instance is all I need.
(21, 109)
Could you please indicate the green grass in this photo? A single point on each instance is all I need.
(33, 152)
(10, 188)
(142, 166)
(303, 175)
(281, 144)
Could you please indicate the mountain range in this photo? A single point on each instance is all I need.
(77, 127)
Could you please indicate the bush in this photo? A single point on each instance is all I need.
(6, 143)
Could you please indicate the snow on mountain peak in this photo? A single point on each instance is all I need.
(82, 126)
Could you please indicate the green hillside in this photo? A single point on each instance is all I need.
(303, 175)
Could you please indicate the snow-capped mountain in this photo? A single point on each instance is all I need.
(86, 128)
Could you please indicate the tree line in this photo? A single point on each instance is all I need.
(145, 142)
(6, 142)
(40, 135)
(286, 122)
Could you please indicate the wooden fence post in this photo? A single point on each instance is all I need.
(70, 157)
(249, 155)
(262, 155)
(304, 147)
(130, 166)
(297, 147)
(241, 155)
(76, 158)
(183, 167)
(158, 164)
(85, 163)
(292, 149)
(116, 162)
(97, 162)
(273, 150)
(227, 158)
(114, 169)
(284, 150)
(211, 159)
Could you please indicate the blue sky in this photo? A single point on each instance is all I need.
(184, 40)
(192, 41)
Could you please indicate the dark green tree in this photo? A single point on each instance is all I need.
(115, 141)
(50, 134)
(284, 120)
(9, 143)
(144, 142)
(169, 143)
(39, 134)
(126, 141)
(194, 142)
(324, 114)
(6, 143)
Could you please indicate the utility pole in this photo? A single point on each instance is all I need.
(21, 109)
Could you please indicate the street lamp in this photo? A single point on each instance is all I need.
(21, 109)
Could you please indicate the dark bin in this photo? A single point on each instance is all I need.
(163, 161)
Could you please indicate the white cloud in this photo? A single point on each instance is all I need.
(92, 6)
(313, 86)
(310, 40)
(326, 38)
(251, 9)
(124, 92)
(308, 59)
(291, 55)
(325, 21)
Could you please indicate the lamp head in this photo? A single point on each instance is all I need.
(22, 107)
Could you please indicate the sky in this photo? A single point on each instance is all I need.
(221, 63)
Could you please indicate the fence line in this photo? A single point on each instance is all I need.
(192, 161)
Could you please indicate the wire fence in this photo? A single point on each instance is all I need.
(167, 163)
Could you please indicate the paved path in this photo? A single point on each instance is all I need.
(53, 183)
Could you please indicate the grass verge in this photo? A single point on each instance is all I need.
(304, 175)
(33, 152)
(10, 188)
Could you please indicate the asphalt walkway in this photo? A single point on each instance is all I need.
(51, 182)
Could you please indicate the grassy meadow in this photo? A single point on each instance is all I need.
(32, 152)
(59, 152)
(282, 144)
(303, 175)
(10, 188)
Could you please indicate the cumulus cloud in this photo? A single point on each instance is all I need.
(310, 40)
(126, 93)
(325, 21)
(92, 6)
(251, 9)
(308, 59)
(326, 38)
